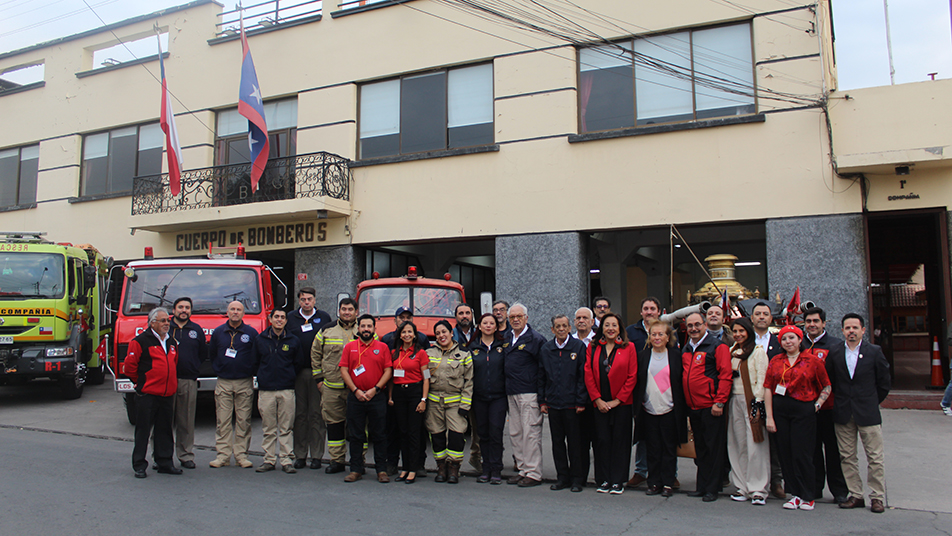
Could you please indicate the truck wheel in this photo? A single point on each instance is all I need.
(95, 375)
(71, 387)
(130, 399)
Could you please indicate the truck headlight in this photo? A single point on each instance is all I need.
(59, 352)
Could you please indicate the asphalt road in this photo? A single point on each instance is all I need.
(66, 468)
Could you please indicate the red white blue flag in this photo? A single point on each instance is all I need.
(167, 121)
(725, 303)
(251, 106)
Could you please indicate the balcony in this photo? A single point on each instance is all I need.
(291, 188)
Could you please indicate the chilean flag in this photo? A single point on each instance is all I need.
(251, 106)
(167, 122)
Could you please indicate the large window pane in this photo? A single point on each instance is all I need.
(29, 170)
(230, 122)
(663, 86)
(606, 88)
(95, 164)
(123, 147)
(151, 141)
(725, 77)
(423, 113)
(380, 119)
(9, 172)
(470, 106)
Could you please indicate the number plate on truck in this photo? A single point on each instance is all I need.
(125, 386)
(6, 339)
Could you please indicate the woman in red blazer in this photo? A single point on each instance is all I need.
(611, 371)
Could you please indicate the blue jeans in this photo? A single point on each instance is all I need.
(947, 399)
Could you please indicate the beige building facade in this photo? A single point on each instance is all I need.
(546, 164)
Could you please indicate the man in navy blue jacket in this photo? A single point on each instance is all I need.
(192, 351)
(231, 350)
(521, 347)
(279, 358)
(563, 396)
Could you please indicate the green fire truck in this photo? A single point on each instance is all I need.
(52, 314)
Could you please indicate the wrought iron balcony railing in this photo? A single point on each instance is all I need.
(308, 175)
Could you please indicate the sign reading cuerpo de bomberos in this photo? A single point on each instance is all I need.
(259, 237)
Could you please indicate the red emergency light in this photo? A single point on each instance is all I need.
(241, 251)
(375, 275)
(447, 276)
(148, 253)
(412, 272)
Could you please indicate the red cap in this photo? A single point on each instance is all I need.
(790, 329)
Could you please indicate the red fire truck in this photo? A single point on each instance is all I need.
(431, 300)
(211, 283)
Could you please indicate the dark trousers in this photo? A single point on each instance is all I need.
(372, 417)
(613, 445)
(826, 458)
(661, 437)
(586, 427)
(564, 425)
(406, 398)
(710, 443)
(796, 439)
(393, 434)
(490, 420)
(153, 412)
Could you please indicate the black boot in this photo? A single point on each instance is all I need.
(440, 471)
(453, 472)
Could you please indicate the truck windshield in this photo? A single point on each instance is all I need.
(31, 275)
(427, 301)
(211, 289)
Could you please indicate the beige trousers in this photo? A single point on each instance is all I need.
(525, 432)
(184, 419)
(872, 437)
(277, 418)
(750, 462)
(233, 398)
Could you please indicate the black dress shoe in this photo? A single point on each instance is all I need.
(170, 470)
(334, 467)
(576, 488)
(695, 493)
(141, 474)
(188, 464)
(401, 478)
(300, 463)
(315, 464)
(409, 480)
(709, 497)
(559, 486)
(667, 492)
(653, 490)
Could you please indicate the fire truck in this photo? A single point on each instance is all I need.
(431, 300)
(211, 283)
(52, 315)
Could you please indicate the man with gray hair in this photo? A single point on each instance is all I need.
(521, 348)
(584, 321)
(150, 363)
(231, 350)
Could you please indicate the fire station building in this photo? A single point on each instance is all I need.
(592, 148)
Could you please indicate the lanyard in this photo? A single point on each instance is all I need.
(786, 368)
(231, 345)
(402, 355)
(360, 353)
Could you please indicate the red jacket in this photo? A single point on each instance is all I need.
(707, 373)
(622, 377)
(153, 369)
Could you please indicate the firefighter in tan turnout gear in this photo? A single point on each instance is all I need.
(449, 401)
(325, 360)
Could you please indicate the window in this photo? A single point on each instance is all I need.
(447, 109)
(111, 159)
(232, 148)
(18, 171)
(683, 76)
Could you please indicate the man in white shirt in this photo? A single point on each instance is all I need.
(584, 321)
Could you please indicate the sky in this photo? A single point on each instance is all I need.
(920, 29)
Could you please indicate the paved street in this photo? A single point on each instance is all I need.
(66, 469)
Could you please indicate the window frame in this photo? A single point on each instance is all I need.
(693, 65)
(83, 178)
(19, 176)
(400, 154)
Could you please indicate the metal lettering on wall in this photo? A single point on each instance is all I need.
(290, 234)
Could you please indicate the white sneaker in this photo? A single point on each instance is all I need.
(739, 497)
(793, 503)
(758, 501)
(804, 505)
(947, 410)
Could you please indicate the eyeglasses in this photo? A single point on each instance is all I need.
(162, 320)
(602, 306)
(516, 317)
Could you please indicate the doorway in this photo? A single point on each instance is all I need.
(909, 294)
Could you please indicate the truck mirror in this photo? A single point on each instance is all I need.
(89, 278)
(340, 297)
(485, 303)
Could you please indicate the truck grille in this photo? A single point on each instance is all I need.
(14, 330)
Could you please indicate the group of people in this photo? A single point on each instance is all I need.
(778, 413)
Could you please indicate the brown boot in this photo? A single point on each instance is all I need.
(440, 471)
(453, 470)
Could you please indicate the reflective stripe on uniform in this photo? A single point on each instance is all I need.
(440, 455)
(467, 401)
(334, 385)
(456, 455)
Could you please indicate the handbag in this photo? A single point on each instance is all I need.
(686, 450)
(756, 409)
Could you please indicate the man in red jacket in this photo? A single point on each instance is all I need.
(151, 363)
(707, 384)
